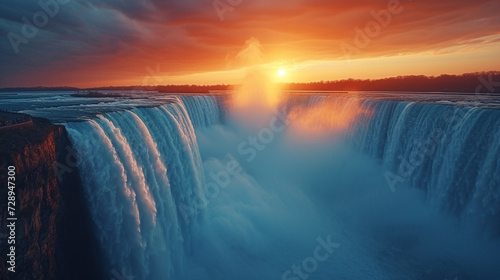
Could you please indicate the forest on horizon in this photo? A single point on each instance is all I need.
(478, 82)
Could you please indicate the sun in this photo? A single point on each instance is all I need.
(281, 72)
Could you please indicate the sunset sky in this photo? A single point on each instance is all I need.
(149, 42)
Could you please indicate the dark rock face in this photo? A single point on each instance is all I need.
(54, 236)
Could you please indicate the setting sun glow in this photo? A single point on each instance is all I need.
(281, 72)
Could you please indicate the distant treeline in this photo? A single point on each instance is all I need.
(170, 88)
(484, 82)
(35, 89)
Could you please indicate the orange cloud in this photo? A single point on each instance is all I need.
(101, 43)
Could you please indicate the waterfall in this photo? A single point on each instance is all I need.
(450, 152)
(145, 177)
(142, 169)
